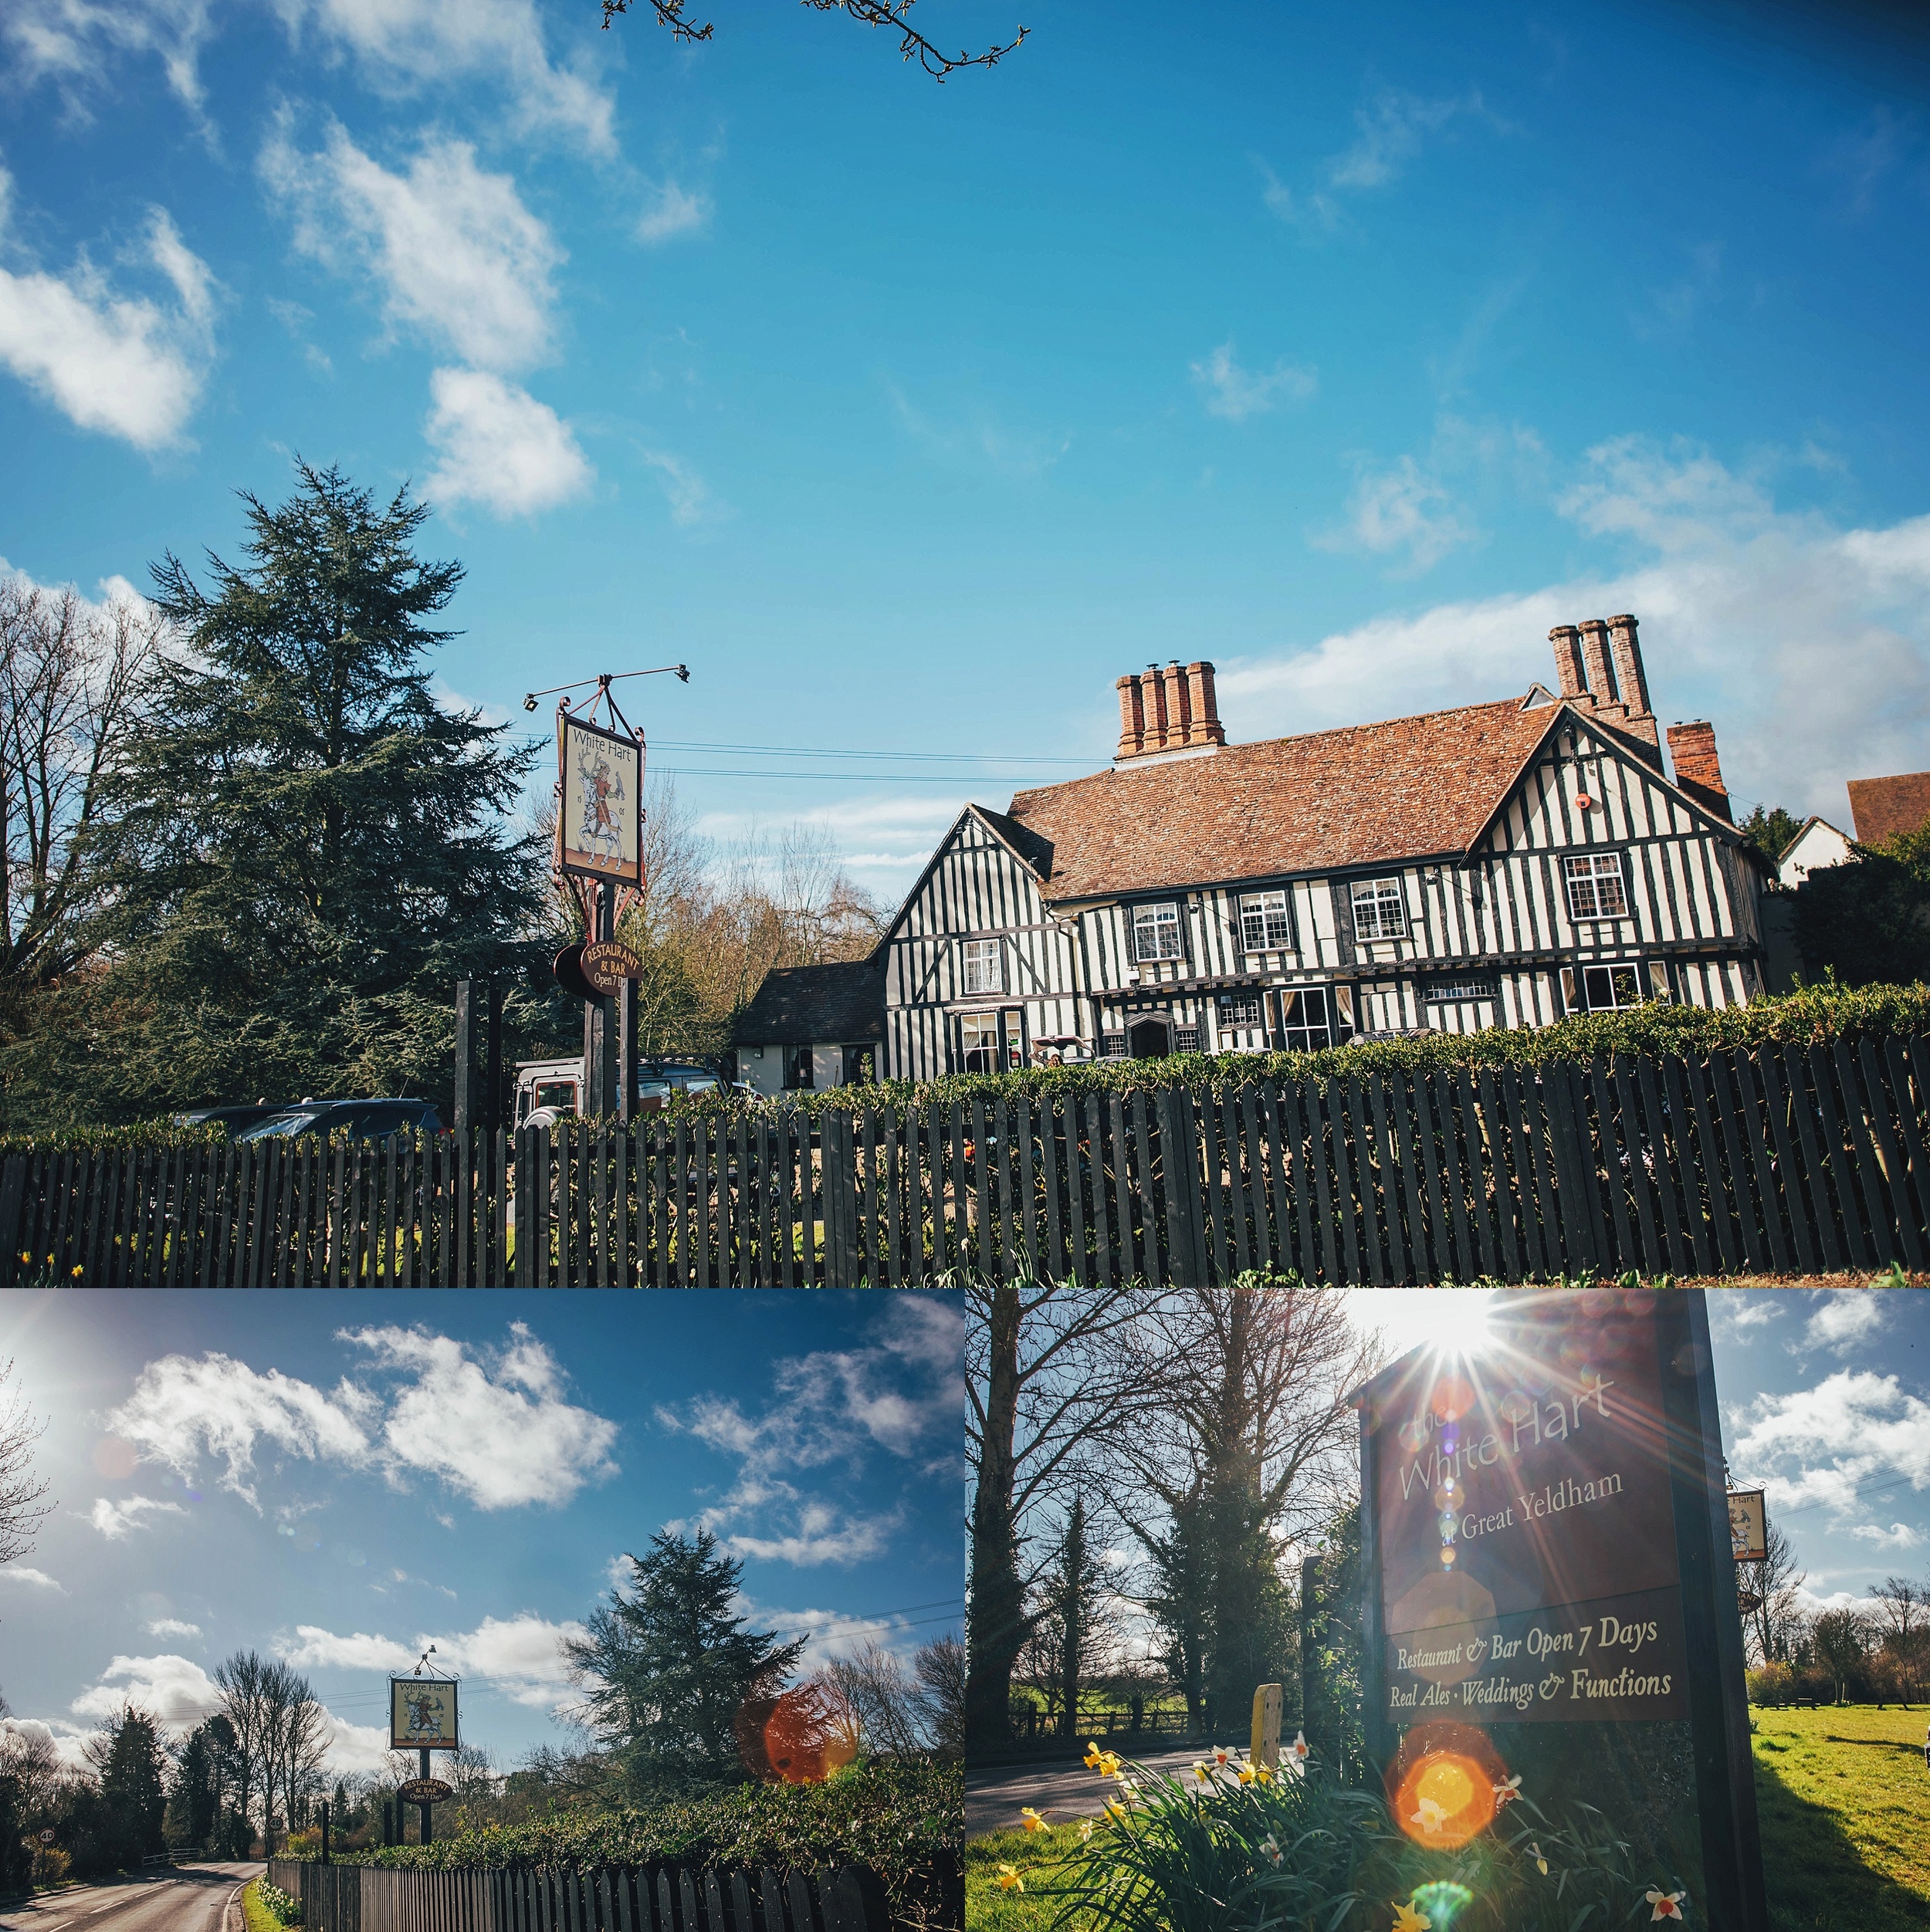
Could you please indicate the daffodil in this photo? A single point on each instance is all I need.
(1092, 1753)
(1114, 1809)
(1668, 1905)
(1249, 1772)
(1509, 1789)
(1271, 1846)
(1201, 1772)
(1030, 1819)
(1221, 1755)
(1085, 1831)
(1409, 1918)
(1009, 1879)
(1106, 1763)
(1298, 1749)
(1541, 1863)
(1431, 1817)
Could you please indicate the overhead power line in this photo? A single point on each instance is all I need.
(912, 757)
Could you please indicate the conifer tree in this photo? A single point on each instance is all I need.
(667, 1669)
(301, 846)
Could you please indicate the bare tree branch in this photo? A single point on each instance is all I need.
(20, 1509)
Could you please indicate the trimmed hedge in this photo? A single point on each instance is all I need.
(1805, 1017)
(905, 1822)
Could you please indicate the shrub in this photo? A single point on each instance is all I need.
(50, 1865)
(1771, 1684)
(286, 1909)
(905, 1821)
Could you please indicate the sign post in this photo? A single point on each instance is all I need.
(422, 1717)
(1546, 1567)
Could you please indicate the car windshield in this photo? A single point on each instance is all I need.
(294, 1120)
(698, 1083)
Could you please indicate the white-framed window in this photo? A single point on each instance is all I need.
(1379, 909)
(984, 963)
(1604, 989)
(1306, 1019)
(1264, 925)
(978, 1035)
(1595, 885)
(1240, 1010)
(1155, 932)
(1448, 991)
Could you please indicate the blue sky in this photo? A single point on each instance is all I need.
(1825, 1400)
(1349, 347)
(269, 1472)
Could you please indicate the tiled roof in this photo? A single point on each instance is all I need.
(841, 1004)
(1368, 795)
(1882, 807)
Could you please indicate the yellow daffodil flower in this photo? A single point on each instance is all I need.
(1263, 1773)
(1668, 1905)
(1114, 1809)
(1009, 1879)
(1409, 1918)
(1092, 1753)
(1541, 1863)
(1201, 1771)
(1248, 1774)
(1031, 1820)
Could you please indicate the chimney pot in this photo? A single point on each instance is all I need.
(1600, 679)
(1630, 677)
(1567, 640)
(1169, 709)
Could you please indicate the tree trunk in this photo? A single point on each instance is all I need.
(995, 1621)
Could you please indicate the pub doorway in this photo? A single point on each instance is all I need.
(1150, 1039)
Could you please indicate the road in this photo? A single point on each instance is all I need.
(1057, 1791)
(191, 1898)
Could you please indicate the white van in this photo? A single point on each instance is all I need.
(546, 1089)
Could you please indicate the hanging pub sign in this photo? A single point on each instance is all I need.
(600, 806)
(424, 1791)
(422, 1714)
(605, 964)
(1748, 1528)
(1519, 1498)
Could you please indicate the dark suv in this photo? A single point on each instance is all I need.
(360, 1119)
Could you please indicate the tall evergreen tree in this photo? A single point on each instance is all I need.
(1077, 1590)
(666, 1670)
(132, 1763)
(302, 847)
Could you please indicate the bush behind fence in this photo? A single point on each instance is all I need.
(1784, 1157)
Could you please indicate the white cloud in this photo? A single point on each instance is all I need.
(34, 1579)
(175, 1690)
(521, 1656)
(1823, 1445)
(1388, 135)
(1846, 1318)
(903, 1392)
(499, 1432)
(673, 210)
(125, 365)
(828, 1633)
(399, 47)
(495, 1427)
(460, 260)
(1808, 644)
(1735, 1313)
(690, 501)
(115, 1519)
(496, 444)
(1898, 1536)
(173, 1627)
(1401, 508)
(1237, 394)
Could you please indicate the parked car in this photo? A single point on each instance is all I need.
(360, 1119)
(547, 1090)
(233, 1118)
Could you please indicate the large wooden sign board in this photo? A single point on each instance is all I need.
(1545, 1540)
(599, 806)
(422, 1714)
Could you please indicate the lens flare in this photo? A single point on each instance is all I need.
(1443, 1901)
(1447, 1773)
(799, 1738)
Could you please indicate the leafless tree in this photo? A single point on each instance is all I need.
(939, 1668)
(1048, 1371)
(894, 14)
(21, 1508)
(281, 1734)
(881, 1694)
(1774, 1586)
(1901, 1619)
(30, 1756)
(302, 1738)
(70, 676)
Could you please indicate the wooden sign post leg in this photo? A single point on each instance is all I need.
(493, 1115)
(464, 1056)
(1264, 1747)
(626, 1051)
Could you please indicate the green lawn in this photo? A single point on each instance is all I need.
(1843, 1794)
(260, 1918)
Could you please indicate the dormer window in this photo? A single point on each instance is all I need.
(984, 966)
(1155, 932)
(1379, 909)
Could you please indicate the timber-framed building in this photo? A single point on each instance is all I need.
(1495, 864)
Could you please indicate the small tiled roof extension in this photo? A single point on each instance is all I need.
(1882, 807)
(843, 1004)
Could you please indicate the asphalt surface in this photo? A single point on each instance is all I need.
(1057, 1792)
(190, 1898)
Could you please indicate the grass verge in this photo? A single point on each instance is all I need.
(260, 1918)
(1035, 1856)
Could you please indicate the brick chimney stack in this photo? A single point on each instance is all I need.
(1599, 666)
(1169, 709)
(1692, 747)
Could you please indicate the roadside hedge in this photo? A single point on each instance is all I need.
(1805, 1017)
(905, 1822)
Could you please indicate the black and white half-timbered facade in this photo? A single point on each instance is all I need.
(1497, 864)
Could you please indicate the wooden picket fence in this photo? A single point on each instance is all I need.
(612, 1898)
(1789, 1159)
